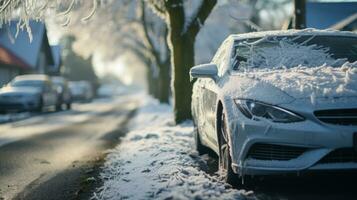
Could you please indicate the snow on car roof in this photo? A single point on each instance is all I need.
(292, 32)
(39, 77)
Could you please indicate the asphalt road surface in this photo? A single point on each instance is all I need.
(45, 156)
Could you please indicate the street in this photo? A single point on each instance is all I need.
(47, 156)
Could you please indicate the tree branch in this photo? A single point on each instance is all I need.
(199, 18)
(151, 45)
(176, 17)
(158, 7)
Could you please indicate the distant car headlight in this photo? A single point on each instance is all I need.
(253, 109)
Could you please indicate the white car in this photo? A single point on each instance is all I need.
(279, 102)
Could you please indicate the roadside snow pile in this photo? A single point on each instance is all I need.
(156, 161)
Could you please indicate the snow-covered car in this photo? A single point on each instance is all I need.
(28, 93)
(63, 92)
(279, 102)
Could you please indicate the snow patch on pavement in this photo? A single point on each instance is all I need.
(156, 160)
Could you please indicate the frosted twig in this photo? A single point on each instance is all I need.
(95, 5)
(5, 5)
(67, 21)
(70, 7)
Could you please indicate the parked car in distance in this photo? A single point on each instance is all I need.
(279, 102)
(81, 90)
(28, 93)
(63, 92)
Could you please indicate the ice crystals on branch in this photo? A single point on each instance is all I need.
(26, 10)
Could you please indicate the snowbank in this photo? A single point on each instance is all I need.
(156, 161)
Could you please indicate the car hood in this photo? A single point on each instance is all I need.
(313, 83)
(19, 90)
(245, 87)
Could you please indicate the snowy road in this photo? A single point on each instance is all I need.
(42, 157)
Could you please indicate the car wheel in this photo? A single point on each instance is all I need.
(200, 148)
(40, 106)
(225, 160)
(59, 107)
(69, 106)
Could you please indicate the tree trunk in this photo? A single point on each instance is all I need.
(300, 18)
(151, 83)
(181, 40)
(182, 59)
(164, 79)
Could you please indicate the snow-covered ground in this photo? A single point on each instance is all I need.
(156, 160)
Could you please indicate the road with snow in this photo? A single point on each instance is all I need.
(47, 156)
(56, 156)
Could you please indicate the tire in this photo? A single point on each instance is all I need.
(225, 160)
(59, 107)
(199, 147)
(68, 106)
(40, 106)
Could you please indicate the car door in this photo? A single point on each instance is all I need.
(49, 97)
(53, 93)
(209, 95)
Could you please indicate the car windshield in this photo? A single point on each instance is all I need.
(27, 83)
(293, 51)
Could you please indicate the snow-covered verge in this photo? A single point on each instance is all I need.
(156, 160)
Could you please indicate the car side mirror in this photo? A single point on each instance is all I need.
(204, 71)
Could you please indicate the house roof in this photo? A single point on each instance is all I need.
(21, 46)
(323, 15)
(9, 58)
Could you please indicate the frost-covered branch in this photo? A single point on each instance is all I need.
(158, 6)
(199, 17)
(151, 44)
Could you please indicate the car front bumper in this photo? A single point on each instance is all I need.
(320, 146)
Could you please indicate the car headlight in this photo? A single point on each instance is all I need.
(256, 109)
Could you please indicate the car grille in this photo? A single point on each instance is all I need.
(342, 155)
(338, 116)
(274, 152)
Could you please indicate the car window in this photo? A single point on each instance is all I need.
(292, 51)
(27, 83)
(220, 59)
